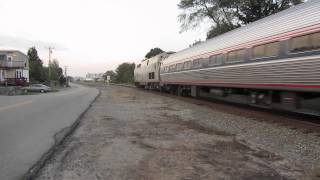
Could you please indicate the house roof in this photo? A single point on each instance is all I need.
(12, 51)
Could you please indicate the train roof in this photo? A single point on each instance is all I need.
(303, 15)
(155, 59)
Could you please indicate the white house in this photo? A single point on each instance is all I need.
(14, 66)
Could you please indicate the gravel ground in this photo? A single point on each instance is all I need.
(132, 134)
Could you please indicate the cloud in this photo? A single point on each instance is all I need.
(11, 42)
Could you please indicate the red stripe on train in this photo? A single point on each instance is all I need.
(303, 86)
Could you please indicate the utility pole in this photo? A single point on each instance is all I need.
(49, 68)
(66, 75)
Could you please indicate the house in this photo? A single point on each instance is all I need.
(14, 67)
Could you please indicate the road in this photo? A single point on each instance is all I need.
(28, 125)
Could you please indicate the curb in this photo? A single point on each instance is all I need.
(60, 138)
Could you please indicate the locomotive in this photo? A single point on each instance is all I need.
(273, 63)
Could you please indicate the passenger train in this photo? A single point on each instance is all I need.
(273, 62)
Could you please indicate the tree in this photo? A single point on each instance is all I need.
(35, 65)
(125, 73)
(112, 75)
(219, 29)
(196, 43)
(226, 15)
(153, 52)
(253, 10)
(55, 70)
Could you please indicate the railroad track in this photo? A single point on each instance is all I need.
(301, 122)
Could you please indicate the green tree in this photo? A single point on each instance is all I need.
(35, 65)
(226, 15)
(55, 70)
(153, 52)
(196, 42)
(125, 73)
(253, 10)
(112, 75)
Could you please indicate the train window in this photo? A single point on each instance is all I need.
(219, 59)
(232, 56)
(316, 40)
(241, 54)
(187, 65)
(215, 60)
(166, 69)
(212, 60)
(259, 51)
(196, 63)
(266, 50)
(236, 56)
(272, 49)
(305, 43)
(2, 57)
(173, 67)
(179, 66)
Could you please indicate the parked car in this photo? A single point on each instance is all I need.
(37, 88)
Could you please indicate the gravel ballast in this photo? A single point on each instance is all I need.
(132, 134)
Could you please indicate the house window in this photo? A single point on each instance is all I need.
(9, 58)
(266, 50)
(305, 43)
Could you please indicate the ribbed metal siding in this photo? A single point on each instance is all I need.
(297, 17)
(298, 71)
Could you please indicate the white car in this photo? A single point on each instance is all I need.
(37, 88)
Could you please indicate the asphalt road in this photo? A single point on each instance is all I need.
(28, 125)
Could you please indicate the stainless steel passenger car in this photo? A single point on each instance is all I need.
(274, 62)
(147, 74)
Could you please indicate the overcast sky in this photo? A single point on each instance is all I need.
(93, 35)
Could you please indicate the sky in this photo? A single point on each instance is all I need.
(93, 36)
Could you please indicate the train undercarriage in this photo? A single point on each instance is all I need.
(301, 102)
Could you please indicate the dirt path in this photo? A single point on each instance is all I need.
(131, 134)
